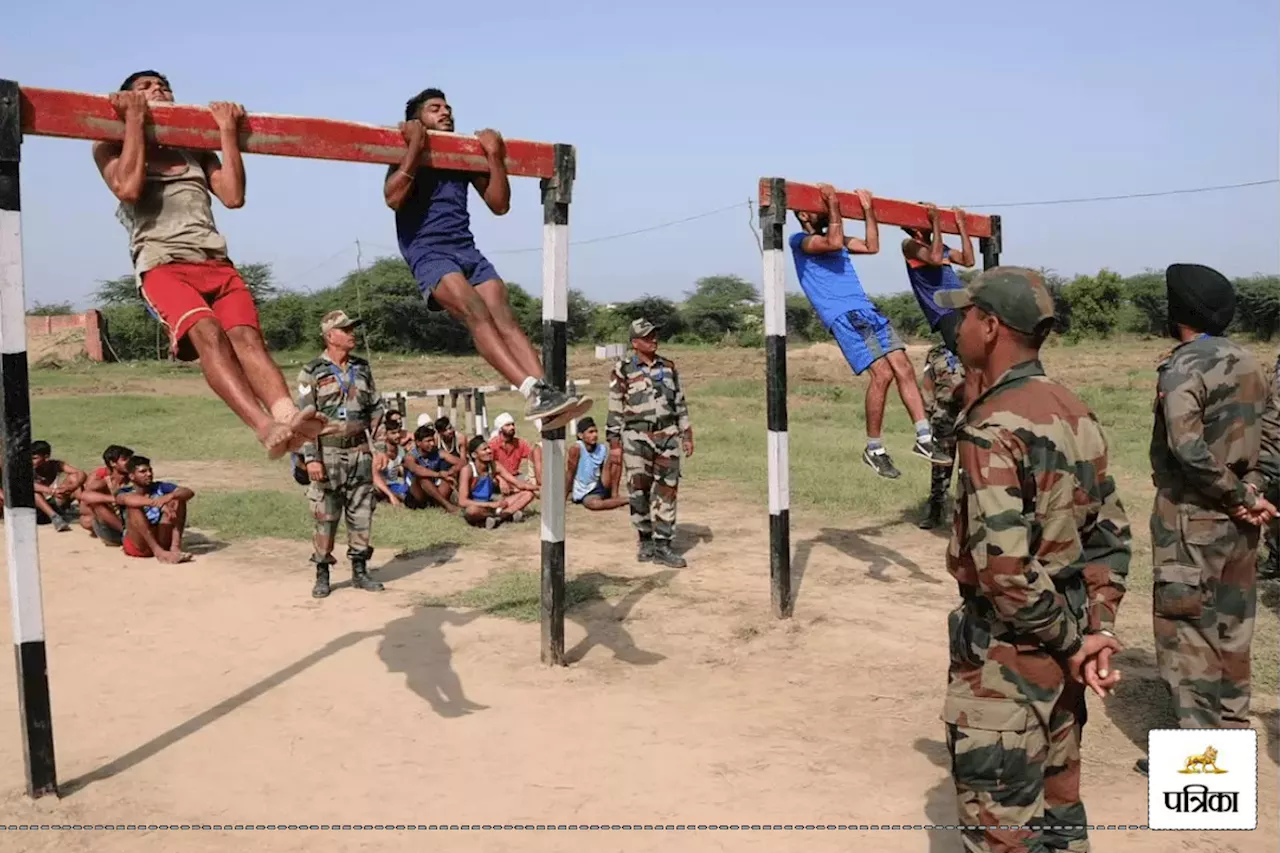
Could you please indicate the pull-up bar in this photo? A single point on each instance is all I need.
(807, 198)
(76, 115)
(777, 196)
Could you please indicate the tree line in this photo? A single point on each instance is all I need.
(720, 309)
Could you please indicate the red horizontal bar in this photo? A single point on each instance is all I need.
(78, 115)
(907, 214)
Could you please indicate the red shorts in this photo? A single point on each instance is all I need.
(182, 295)
(128, 547)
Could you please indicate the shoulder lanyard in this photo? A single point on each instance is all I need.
(657, 362)
(346, 382)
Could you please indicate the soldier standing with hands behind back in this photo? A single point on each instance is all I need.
(1206, 445)
(648, 426)
(340, 466)
(1040, 551)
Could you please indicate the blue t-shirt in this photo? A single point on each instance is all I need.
(157, 490)
(830, 282)
(927, 280)
(433, 219)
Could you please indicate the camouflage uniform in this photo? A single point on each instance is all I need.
(1204, 449)
(943, 402)
(648, 414)
(1269, 464)
(1040, 551)
(348, 399)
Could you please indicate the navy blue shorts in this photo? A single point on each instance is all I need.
(434, 266)
(865, 337)
(598, 492)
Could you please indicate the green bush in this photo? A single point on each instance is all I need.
(1095, 304)
(1258, 306)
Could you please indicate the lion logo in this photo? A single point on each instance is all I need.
(1202, 763)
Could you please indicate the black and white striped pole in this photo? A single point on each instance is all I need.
(773, 217)
(23, 556)
(556, 194)
(992, 245)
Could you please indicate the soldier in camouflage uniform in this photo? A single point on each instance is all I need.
(1269, 463)
(340, 466)
(1040, 550)
(1205, 448)
(943, 388)
(647, 426)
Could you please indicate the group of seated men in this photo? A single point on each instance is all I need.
(122, 504)
(487, 482)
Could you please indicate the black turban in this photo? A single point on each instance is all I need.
(1200, 298)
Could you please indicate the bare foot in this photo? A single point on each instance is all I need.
(308, 423)
(168, 556)
(276, 439)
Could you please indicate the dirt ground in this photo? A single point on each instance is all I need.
(219, 692)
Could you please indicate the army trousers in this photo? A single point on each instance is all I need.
(651, 464)
(1204, 598)
(1015, 760)
(347, 492)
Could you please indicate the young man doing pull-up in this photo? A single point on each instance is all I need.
(824, 265)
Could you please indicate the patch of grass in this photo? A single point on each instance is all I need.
(516, 594)
(161, 427)
(239, 515)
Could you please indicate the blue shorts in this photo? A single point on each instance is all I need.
(598, 492)
(400, 490)
(433, 266)
(865, 337)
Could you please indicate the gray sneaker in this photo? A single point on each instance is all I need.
(881, 463)
(60, 524)
(546, 402)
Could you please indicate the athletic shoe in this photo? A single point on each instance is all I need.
(881, 463)
(927, 448)
(59, 523)
(517, 516)
(491, 522)
(546, 402)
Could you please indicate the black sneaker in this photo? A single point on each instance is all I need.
(1141, 766)
(927, 448)
(546, 402)
(881, 463)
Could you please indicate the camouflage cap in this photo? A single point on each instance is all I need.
(1014, 295)
(338, 320)
(642, 328)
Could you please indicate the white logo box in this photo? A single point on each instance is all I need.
(1197, 797)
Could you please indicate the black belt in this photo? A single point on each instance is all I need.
(654, 426)
(343, 442)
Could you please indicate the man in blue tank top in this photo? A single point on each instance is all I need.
(824, 266)
(433, 229)
(930, 263)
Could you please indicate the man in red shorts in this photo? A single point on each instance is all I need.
(181, 262)
(155, 514)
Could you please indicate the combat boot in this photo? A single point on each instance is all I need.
(937, 498)
(1269, 568)
(360, 576)
(645, 554)
(321, 589)
(663, 555)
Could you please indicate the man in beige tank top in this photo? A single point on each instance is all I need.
(181, 262)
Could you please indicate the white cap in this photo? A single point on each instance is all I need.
(424, 419)
(502, 420)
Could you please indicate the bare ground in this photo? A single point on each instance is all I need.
(220, 692)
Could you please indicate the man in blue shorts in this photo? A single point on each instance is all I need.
(433, 228)
(824, 266)
(930, 263)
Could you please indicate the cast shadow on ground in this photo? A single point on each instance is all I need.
(212, 715)
(402, 565)
(859, 545)
(604, 621)
(690, 536)
(199, 544)
(940, 800)
(415, 645)
(1140, 702)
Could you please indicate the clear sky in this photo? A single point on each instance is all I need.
(677, 108)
